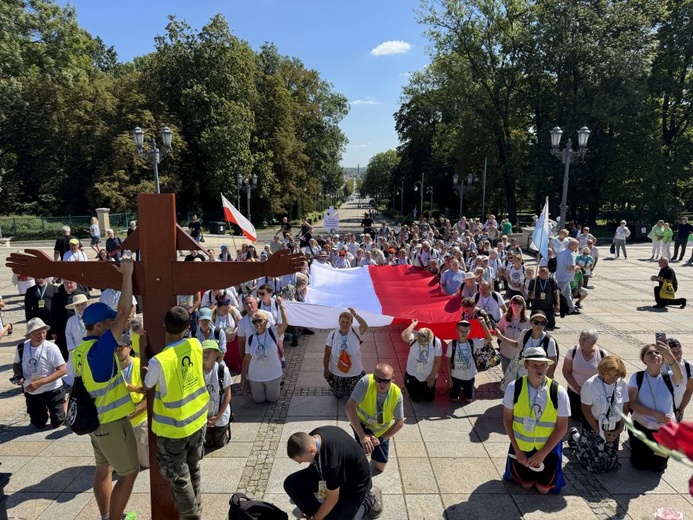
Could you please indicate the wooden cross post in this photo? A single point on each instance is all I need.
(158, 277)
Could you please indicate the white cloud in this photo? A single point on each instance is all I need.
(391, 47)
(361, 145)
(367, 101)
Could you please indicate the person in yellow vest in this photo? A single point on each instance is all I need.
(115, 447)
(130, 366)
(376, 413)
(179, 412)
(535, 416)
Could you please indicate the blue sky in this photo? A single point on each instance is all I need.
(365, 49)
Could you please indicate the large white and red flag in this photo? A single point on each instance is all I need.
(382, 295)
(231, 214)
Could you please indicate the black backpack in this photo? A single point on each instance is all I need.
(243, 508)
(640, 377)
(552, 264)
(544, 342)
(82, 416)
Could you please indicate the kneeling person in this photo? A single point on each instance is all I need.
(218, 381)
(461, 360)
(337, 485)
(376, 413)
(535, 417)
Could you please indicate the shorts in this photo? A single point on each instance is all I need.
(114, 443)
(380, 453)
(95, 240)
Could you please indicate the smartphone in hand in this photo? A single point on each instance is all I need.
(660, 336)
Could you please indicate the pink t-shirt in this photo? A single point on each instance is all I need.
(583, 370)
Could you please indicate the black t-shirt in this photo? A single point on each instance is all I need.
(286, 228)
(367, 224)
(343, 463)
(195, 228)
(62, 244)
(549, 286)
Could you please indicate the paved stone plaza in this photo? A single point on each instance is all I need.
(447, 461)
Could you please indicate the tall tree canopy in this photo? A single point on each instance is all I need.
(68, 107)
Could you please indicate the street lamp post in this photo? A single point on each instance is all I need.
(416, 188)
(154, 154)
(429, 190)
(566, 156)
(247, 185)
(459, 186)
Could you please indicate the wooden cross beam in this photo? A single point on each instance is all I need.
(158, 277)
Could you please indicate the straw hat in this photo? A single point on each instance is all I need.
(35, 324)
(80, 298)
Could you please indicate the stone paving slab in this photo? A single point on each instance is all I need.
(448, 459)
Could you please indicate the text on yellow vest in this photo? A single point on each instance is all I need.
(367, 412)
(545, 422)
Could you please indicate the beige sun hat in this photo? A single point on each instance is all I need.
(35, 324)
(80, 298)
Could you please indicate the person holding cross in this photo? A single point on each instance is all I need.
(114, 442)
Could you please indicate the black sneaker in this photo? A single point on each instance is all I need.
(377, 502)
(683, 305)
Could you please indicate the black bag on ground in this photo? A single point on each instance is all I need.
(243, 508)
(82, 416)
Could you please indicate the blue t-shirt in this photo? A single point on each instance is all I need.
(101, 357)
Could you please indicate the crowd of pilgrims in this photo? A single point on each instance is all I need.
(473, 260)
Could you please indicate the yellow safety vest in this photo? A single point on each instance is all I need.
(135, 343)
(111, 397)
(183, 410)
(136, 380)
(545, 423)
(366, 410)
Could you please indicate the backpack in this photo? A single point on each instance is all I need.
(220, 377)
(640, 376)
(243, 508)
(511, 373)
(552, 264)
(553, 391)
(271, 333)
(82, 416)
(454, 348)
(494, 295)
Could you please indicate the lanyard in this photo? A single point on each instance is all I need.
(42, 291)
(34, 361)
(613, 394)
(533, 404)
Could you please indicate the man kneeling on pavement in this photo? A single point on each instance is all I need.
(337, 485)
(376, 413)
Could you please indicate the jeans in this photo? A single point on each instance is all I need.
(179, 462)
(620, 245)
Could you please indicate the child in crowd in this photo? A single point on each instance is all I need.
(218, 382)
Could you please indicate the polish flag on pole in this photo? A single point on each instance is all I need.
(231, 214)
(383, 295)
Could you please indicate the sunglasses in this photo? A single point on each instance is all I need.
(381, 380)
(539, 322)
(255, 322)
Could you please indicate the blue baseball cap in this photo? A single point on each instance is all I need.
(97, 312)
(204, 314)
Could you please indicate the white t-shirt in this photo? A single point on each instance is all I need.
(74, 331)
(517, 277)
(421, 358)
(212, 384)
(111, 297)
(531, 342)
(349, 343)
(76, 256)
(539, 397)
(622, 232)
(273, 309)
(464, 366)
(245, 326)
(38, 362)
(679, 390)
(491, 304)
(265, 364)
(602, 396)
(154, 376)
(209, 301)
(227, 322)
(653, 394)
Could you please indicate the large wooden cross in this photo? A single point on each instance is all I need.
(158, 277)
